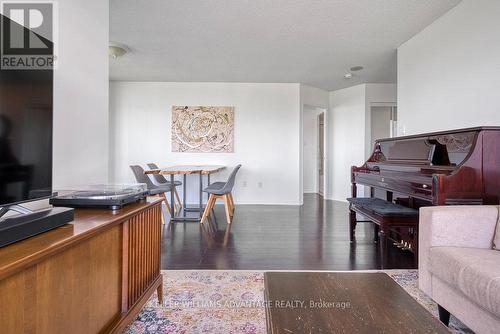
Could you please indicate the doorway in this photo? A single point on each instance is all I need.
(321, 154)
(383, 122)
(314, 150)
(383, 125)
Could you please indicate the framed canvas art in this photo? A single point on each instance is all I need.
(203, 129)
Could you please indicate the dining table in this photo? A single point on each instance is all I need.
(185, 170)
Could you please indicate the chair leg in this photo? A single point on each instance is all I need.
(181, 205)
(231, 207)
(232, 202)
(164, 196)
(208, 207)
(227, 206)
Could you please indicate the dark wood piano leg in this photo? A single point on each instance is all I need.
(352, 225)
(382, 239)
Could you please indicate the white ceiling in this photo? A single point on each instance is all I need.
(308, 41)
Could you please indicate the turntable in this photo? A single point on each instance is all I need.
(101, 196)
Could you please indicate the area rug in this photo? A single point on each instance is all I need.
(408, 280)
(232, 302)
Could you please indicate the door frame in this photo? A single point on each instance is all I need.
(321, 159)
(325, 110)
(368, 124)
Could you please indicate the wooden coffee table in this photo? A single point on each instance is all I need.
(315, 302)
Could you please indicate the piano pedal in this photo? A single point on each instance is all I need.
(403, 245)
(399, 244)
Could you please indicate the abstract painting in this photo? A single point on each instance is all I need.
(202, 129)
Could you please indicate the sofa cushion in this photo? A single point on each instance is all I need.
(475, 272)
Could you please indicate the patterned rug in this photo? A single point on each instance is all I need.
(408, 280)
(232, 302)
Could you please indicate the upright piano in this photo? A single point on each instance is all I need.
(458, 167)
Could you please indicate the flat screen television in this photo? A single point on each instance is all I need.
(26, 114)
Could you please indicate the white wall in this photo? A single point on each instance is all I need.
(81, 84)
(311, 151)
(349, 132)
(267, 129)
(314, 97)
(346, 134)
(449, 74)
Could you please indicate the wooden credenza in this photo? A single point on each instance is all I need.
(90, 276)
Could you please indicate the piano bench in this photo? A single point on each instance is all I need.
(387, 216)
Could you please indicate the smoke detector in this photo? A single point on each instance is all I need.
(117, 50)
(356, 68)
(348, 76)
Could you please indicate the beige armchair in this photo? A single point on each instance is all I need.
(458, 267)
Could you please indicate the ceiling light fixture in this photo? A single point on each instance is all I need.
(348, 76)
(356, 68)
(117, 50)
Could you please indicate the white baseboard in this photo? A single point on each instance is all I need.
(340, 200)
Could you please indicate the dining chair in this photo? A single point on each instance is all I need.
(221, 190)
(159, 190)
(161, 180)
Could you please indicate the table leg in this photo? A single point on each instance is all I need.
(201, 195)
(382, 239)
(159, 292)
(208, 183)
(184, 194)
(444, 315)
(172, 202)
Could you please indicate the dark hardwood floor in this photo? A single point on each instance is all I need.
(314, 236)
